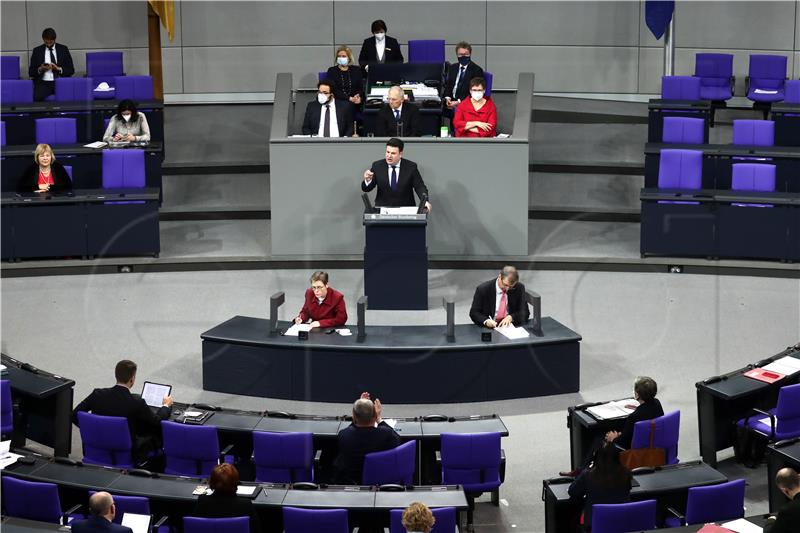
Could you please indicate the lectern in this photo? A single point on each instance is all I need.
(396, 261)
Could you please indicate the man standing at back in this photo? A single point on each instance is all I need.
(48, 62)
(102, 511)
(396, 179)
(144, 424)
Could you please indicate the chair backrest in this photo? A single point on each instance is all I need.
(74, 90)
(667, 433)
(123, 169)
(190, 450)
(788, 411)
(322, 75)
(128, 504)
(753, 177)
(296, 520)
(683, 130)
(754, 132)
(715, 502)
(6, 408)
(104, 66)
(16, 91)
(680, 88)
(426, 51)
(767, 70)
(792, 92)
(68, 169)
(713, 66)
(472, 460)
(2, 133)
(489, 77)
(391, 466)
(9, 67)
(133, 87)
(239, 524)
(680, 169)
(283, 457)
(622, 517)
(31, 500)
(56, 130)
(106, 440)
(445, 520)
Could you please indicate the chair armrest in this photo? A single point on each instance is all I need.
(159, 523)
(439, 457)
(72, 510)
(224, 452)
(733, 84)
(765, 413)
(502, 465)
(746, 85)
(677, 515)
(317, 461)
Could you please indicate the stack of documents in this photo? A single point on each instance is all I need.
(611, 410)
(785, 365)
(742, 526)
(297, 328)
(405, 210)
(513, 332)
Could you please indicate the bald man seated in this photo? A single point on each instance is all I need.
(788, 518)
(101, 516)
(398, 118)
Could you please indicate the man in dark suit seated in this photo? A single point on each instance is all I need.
(395, 187)
(500, 302)
(367, 434)
(788, 519)
(380, 48)
(326, 116)
(459, 74)
(398, 118)
(102, 511)
(48, 62)
(144, 423)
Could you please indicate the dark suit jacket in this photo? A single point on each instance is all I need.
(589, 491)
(63, 57)
(483, 303)
(646, 411)
(144, 424)
(369, 54)
(344, 118)
(473, 71)
(96, 524)
(386, 126)
(408, 180)
(331, 313)
(29, 181)
(788, 520)
(337, 76)
(356, 442)
(219, 505)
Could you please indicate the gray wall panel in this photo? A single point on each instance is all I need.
(14, 31)
(549, 190)
(563, 23)
(452, 21)
(651, 67)
(257, 23)
(796, 73)
(95, 25)
(136, 62)
(571, 69)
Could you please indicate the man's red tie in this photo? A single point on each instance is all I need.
(502, 309)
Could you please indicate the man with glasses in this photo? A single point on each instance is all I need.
(398, 118)
(324, 306)
(500, 302)
(326, 116)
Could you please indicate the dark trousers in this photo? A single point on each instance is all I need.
(43, 89)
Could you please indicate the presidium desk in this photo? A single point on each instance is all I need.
(399, 364)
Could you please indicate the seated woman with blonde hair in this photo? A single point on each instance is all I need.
(45, 174)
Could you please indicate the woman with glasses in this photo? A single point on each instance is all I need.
(324, 306)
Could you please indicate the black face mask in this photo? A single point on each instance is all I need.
(464, 60)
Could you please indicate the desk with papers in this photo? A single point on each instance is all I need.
(587, 422)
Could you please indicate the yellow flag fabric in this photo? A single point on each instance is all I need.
(165, 9)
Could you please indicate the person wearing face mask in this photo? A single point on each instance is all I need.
(477, 116)
(127, 125)
(45, 175)
(348, 82)
(326, 116)
(380, 48)
(456, 87)
(49, 61)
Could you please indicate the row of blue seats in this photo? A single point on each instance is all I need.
(686, 130)
(137, 88)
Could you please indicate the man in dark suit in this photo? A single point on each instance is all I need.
(144, 424)
(788, 518)
(380, 48)
(48, 62)
(367, 434)
(395, 186)
(501, 301)
(326, 116)
(459, 74)
(398, 118)
(102, 511)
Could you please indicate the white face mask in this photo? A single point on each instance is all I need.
(322, 98)
(343, 61)
(380, 36)
(127, 117)
(476, 95)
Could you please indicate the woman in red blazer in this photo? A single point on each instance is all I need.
(476, 116)
(324, 305)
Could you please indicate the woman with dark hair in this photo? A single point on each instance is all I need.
(45, 174)
(127, 124)
(223, 501)
(476, 116)
(605, 481)
(380, 48)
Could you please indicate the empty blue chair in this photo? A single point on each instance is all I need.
(426, 51)
(283, 457)
(792, 92)
(135, 88)
(683, 130)
(622, 517)
(445, 520)
(16, 91)
(394, 466)
(754, 132)
(190, 450)
(6, 408)
(472, 460)
(56, 131)
(33, 500)
(489, 77)
(296, 520)
(9, 67)
(680, 88)
(104, 66)
(714, 503)
(193, 524)
(123, 169)
(106, 440)
(716, 76)
(73, 90)
(784, 419)
(667, 434)
(767, 78)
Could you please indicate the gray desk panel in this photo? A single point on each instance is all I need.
(20, 525)
(331, 498)
(233, 421)
(432, 498)
(271, 495)
(488, 425)
(681, 476)
(165, 488)
(319, 427)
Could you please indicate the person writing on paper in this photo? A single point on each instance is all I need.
(144, 424)
(324, 306)
(49, 61)
(45, 175)
(396, 179)
(223, 501)
(398, 117)
(127, 124)
(500, 302)
(476, 116)
(348, 81)
(788, 518)
(102, 511)
(326, 116)
(380, 48)
(368, 433)
(607, 481)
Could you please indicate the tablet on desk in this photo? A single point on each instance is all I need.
(153, 393)
(139, 523)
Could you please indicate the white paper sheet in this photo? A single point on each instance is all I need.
(785, 365)
(153, 394)
(611, 410)
(96, 144)
(192, 414)
(139, 523)
(391, 422)
(246, 490)
(296, 328)
(764, 91)
(344, 332)
(513, 332)
(8, 459)
(742, 526)
(405, 210)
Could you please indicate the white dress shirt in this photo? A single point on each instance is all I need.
(334, 122)
(49, 58)
(380, 48)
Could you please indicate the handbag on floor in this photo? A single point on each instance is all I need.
(650, 456)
